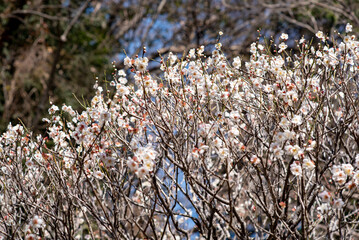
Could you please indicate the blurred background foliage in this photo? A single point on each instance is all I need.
(50, 49)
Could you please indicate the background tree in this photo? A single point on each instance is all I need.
(52, 48)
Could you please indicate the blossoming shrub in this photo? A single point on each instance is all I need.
(213, 149)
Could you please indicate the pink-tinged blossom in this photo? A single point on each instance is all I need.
(37, 222)
(128, 62)
(350, 185)
(311, 145)
(338, 203)
(31, 236)
(255, 160)
(234, 115)
(53, 109)
(325, 196)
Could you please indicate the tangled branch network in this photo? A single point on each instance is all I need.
(211, 149)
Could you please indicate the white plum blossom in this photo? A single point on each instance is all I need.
(348, 28)
(320, 35)
(338, 203)
(282, 47)
(357, 160)
(284, 36)
(295, 151)
(356, 177)
(297, 120)
(223, 152)
(98, 175)
(233, 132)
(121, 73)
(192, 53)
(308, 164)
(296, 169)
(237, 62)
(284, 123)
(122, 80)
(339, 175)
(133, 165)
(348, 169)
(123, 90)
(157, 152)
(142, 172)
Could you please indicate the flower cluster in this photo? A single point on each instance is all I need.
(212, 148)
